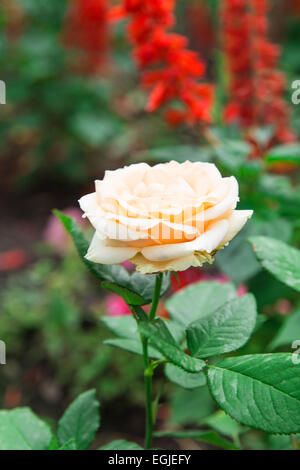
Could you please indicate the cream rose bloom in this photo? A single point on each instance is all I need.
(163, 218)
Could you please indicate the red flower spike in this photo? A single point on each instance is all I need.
(175, 69)
(175, 117)
(294, 6)
(256, 87)
(86, 30)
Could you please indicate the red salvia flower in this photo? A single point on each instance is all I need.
(256, 86)
(170, 70)
(294, 6)
(86, 30)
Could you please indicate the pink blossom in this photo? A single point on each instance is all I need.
(128, 265)
(115, 306)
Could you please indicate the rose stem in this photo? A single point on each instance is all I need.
(148, 371)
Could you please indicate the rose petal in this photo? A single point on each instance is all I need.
(102, 251)
(88, 203)
(236, 222)
(229, 202)
(208, 242)
(108, 228)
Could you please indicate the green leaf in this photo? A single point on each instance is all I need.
(238, 261)
(130, 297)
(144, 284)
(176, 330)
(267, 290)
(129, 337)
(224, 330)
(281, 442)
(261, 391)
(132, 345)
(69, 445)
(136, 287)
(159, 335)
(198, 300)
(121, 445)
(54, 445)
(224, 424)
(211, 437)
(80, 421)
(124, 327)
(184, 379)
(232, 153)
(284, 153)
(279, 259)
(281, 190)
(288, 333)
(21, 429)
(190, 406)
